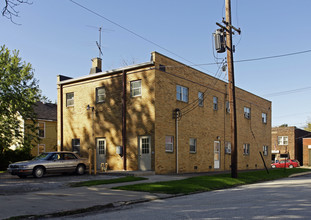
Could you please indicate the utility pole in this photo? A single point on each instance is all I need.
(234, 153)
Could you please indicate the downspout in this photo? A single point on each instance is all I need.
(124, 119)
(176, 116)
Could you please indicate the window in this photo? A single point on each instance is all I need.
(69, 99)
(100, 94)
(182, 93)
(193, 145)
(282, 140)
(41, 126)
(247, 112)
(265, 150)
(264, 118)
(136, 88)
(227, 106)
(215, 103)
(246, 149)
(227, 147)
(75, 143)
(169, 143)
(201, 98)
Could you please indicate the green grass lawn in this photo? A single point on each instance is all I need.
(109, 181)
(207, 183)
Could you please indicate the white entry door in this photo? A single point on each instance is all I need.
(100, 152)
(144, 153)
(216, 154)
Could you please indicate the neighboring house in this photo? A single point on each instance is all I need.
(128, 117)
(47, 128)
(306, 152)
(288, 140)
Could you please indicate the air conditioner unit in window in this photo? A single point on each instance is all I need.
(246, 115)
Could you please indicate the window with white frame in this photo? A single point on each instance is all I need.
(181, 93)
(69, 99)
(201, 98)
(246, 149)
(265, 150)
(75, 144)
(227, 147)
(169, 143)
(227, 106)
(135, 88)
(247, 112)
(193, 145)
(282, 140)
(215, 103)
(264, 118)
(41, 127)
(100, 94)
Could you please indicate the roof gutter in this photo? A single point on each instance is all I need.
(107, 73)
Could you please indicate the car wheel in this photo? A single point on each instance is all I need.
(38, 172)
(22, 176)
(273, 166)
(80, 169)
(290, 166)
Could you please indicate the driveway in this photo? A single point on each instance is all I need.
(10, 185)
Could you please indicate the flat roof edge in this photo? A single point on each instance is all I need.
(95, 75)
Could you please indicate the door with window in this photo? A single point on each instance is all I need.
(144, 153)
(100, 152)
(216, 154)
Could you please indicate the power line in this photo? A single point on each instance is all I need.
(132, 32)
(259, 58)
(287, 92)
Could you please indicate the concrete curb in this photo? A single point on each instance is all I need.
(299, 174)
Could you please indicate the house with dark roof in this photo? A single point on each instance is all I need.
(47, 128)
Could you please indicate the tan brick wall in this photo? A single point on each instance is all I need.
(78, 122)
(204, 123)
(152, 115)
(290, 148)
(306, 150)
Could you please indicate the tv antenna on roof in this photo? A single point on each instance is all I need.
(99, 45)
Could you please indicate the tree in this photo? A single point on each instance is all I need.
(19, 91)
(9, 10)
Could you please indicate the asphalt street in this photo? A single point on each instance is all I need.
(288, 198)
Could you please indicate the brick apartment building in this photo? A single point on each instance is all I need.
(288, 140)
(306, 149)
(126, 116)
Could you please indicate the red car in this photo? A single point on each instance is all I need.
(289, 164)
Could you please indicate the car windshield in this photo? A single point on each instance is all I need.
(43, 156)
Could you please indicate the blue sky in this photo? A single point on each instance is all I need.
(59, 37)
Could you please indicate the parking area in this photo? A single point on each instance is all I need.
(10, 185)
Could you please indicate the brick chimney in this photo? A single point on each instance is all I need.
(96, 65)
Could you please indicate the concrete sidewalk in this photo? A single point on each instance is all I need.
(69, 199)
